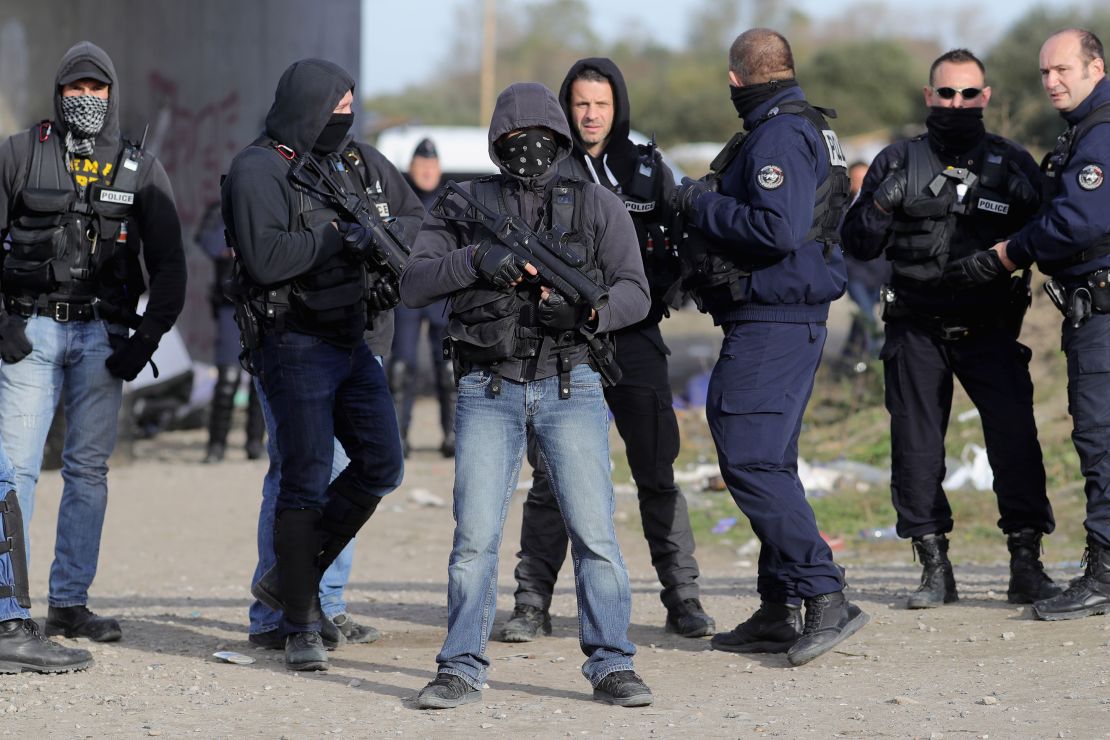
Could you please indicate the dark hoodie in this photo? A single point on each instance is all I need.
(440, 267)
(262, 209)
(153, 222)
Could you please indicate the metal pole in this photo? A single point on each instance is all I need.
(489, 61)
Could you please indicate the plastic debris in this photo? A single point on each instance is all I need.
(724, 525)
(974, 470)
(230, 656)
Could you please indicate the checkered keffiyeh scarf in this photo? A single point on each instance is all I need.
(84, 116)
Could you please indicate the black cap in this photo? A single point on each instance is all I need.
(85, 69)
(426, 148)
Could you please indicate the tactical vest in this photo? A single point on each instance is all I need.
(924, 237)
(1052, 166)
(333, 293)
(62, 236)
(490, 325)
(709, 264)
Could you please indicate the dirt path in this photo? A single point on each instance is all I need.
(179, 548)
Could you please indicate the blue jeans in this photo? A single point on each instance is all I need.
(334, 580)
(573, 440)
(67, 363)
(9, 609)
(317, 394)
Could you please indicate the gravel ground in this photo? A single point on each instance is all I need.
(178, 551)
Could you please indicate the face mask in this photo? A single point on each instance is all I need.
(956, 129)
(749, 97)
(527, 153)
(84, 117)
(333, 134)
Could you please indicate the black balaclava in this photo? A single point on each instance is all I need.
(749, 97)
(955, 129)
(335, 130)
(528, 153)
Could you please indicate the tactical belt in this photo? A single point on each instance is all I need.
(1077, 301)
(61, 311)
(944, 328)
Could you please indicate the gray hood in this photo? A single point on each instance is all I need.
(524, 105)
(88, 51)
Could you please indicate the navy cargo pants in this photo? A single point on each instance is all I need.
(1088, 352)
(757, 394)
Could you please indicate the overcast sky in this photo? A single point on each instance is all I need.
(399, 36)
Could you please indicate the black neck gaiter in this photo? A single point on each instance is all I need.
(527, 153)
(955, 129)
(335, 130)
(749, 97)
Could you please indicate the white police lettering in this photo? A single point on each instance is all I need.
(836, 154)
(993, 206)
(1090, 177)
(383, 210)
(636, 207)
(116, 196)
(771, 177)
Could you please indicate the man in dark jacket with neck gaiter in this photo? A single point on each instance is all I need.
(925, 204)
(521, 351)
(595, 100)
(304, 278)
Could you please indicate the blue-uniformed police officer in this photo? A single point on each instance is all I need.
(1070, 240)
(919, 219)
(764, 260)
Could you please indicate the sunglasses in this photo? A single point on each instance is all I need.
(967, 93)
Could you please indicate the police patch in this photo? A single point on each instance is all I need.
(771, 177)
(1090, 177)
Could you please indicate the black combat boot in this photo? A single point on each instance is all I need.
(1028, 582)
(24, 648)
(1087, 595)
(447, 691)
(219, 415)
(525, 624)
(688, 619)
(938, 583)
(256, 426)
(830, 619)
(78, 621)
(304, 651)
(772, 629)
(448, 397)
(624, 689)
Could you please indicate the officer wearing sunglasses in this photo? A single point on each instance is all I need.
(931, 205)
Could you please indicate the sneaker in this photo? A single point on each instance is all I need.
(24, 648)
(623, 688)
(447, 691)
(304, 651)
(688, 619)
(526, 624)
(830, 619)
(78, 621)
(774, 628)
(353, 632)
(268, 640)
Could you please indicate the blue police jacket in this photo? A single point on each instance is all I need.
(764, 211)
(1078, 215)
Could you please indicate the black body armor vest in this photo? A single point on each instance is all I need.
(64, 238)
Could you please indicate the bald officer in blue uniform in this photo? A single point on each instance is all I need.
(763, 258)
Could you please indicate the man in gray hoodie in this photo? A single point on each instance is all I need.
(524, 365)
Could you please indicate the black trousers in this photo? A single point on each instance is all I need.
(1088, 352)
(642, 407)
(993, 367)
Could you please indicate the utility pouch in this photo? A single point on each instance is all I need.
(1057, 294)
(1098, 283)
(250, 333)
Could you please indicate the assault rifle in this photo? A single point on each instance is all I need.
(387, 251)
(556, 265)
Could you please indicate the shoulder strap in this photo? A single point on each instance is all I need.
(922, 165)
(46, 167)
(1101, 114)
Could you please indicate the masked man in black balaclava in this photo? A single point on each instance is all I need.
(934, 206)
(308, 282)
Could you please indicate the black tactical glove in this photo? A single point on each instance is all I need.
(384, 293)
(979, 268)
(686, 195)
(356, 240)
(14, 345)
(892, 190)
(130, 355)
(496, 263)
(558, 313)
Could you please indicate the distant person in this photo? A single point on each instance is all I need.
(22, 646)
(525, 361)
(71, 284)
(595, 101)
(765, 262)
(1068, 240)
(210, 238)
(865, 279)
(920, 210)
(424, 176)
